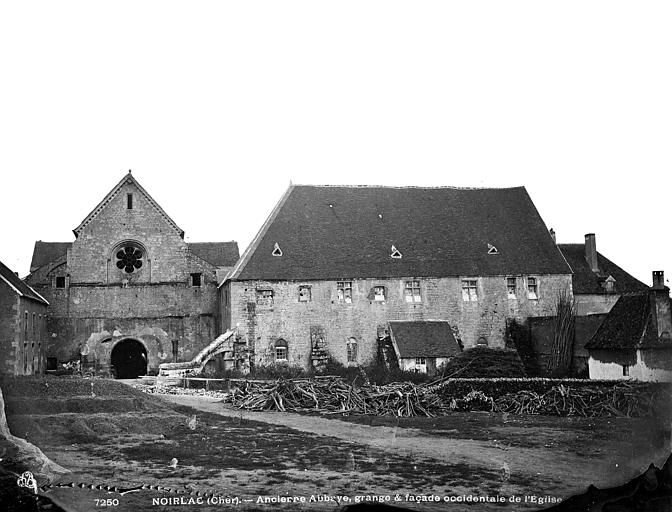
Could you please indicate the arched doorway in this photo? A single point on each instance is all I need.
(129, 359)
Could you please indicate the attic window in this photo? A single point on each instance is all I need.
(276, 250)
(344, 291)
(492, 249)
(532, 288)
(395, 253)
(129, 201)
(379, 293)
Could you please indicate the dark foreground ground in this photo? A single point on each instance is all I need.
(109, 434)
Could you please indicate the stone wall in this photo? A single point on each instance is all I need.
(23, 333)
(262, 324)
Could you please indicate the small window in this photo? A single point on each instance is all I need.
(626, 370)
(379, 293)
(420, 360)
(344, 291)
(511, 287)
(276, 250)
(196, 279)
(129, 201)
(483, 342)
(492, 249)
(395, 253)
(304, 293)
(352, 350)
(280, 350)
(60, 281)
(469, 290)
(25, 326)
(532, 288)
(412, 291)
(265, 297)
(33, 326)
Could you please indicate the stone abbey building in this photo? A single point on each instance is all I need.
(334, 266)
(129, 291)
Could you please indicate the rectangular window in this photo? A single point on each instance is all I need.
(280, 353)
(469, 291)
(129, 201)
(25, 325)
(344, 291)
(33, 325)
(352, 351)
(626, 370)
(196, 279)
(532, 288)
(420, 360)
(265, 297)
(60, 281)
(412, 291)
(304, 293)
(511, 287)
(379, 293)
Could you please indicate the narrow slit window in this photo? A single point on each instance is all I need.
(352, 350)
(412, 291)
(626, 370)
(344, 291)
(129, 201)
(469, 290)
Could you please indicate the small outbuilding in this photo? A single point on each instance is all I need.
(423, 346)
(23, 326)
(635, 339)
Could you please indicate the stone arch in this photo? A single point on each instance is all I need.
(128, 358)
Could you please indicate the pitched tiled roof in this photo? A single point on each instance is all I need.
(430, 338)
(331, 232)
(584, 280)
(628, 324)
(18, 285)
(46, 252)
(220, 254)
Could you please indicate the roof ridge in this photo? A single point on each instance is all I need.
(431, 187)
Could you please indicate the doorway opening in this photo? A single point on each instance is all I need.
(129, 359)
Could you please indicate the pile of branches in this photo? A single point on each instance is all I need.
(623, 399)
(335, 396)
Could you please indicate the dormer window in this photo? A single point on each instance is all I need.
(276, 250)
(492, 249)
(395, 253)
(608, 284)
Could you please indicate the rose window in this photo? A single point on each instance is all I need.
(129, 259)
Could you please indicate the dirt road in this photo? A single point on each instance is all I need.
(612, 465)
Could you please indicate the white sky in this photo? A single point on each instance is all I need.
(216, 106)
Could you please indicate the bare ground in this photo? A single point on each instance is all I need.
(247, 455)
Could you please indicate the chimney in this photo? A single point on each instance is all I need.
(552, 232)
(660, 304)
(591, 252)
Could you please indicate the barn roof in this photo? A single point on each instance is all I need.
(428, 338)
(331, 232)
(585, 281)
